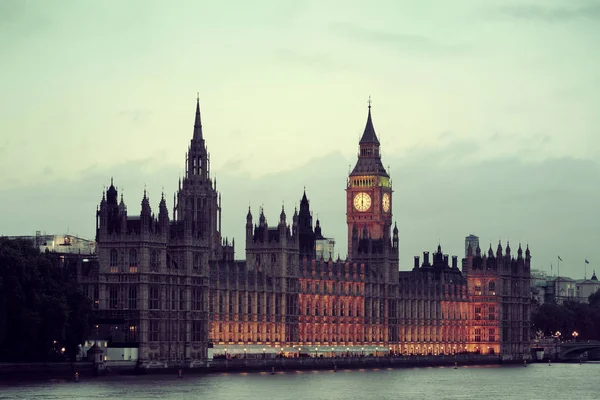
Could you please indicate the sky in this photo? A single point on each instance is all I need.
(487, 113)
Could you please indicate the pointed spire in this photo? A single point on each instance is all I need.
(197, 121)
(395, 229)
(369, 135)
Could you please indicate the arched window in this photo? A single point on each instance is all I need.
(153, 260)
(133, 261)
(114, 261)
(492, 287)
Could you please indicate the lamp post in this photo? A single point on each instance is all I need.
(316, 349)
(282, 352)
(362, 349)
(390, 352)
(376, 348)
(332, 353)
(264, 355)
(299, 351)
(347, 351)
(245, 354)
(575, 334)
(226, 354)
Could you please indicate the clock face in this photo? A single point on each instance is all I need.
(362, 201)
(385, 202)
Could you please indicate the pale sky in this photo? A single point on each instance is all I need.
(487, 111)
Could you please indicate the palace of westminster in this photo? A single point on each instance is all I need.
(170, 286)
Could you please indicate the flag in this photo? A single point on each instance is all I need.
(587, 262)
(559, 258)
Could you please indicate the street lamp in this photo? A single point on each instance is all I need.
(245, 355)
(376, 348)
(316, 348)
(264, 355)
(332, 353)
(575, 334)
(363, 351)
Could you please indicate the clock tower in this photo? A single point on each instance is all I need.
(368, 192)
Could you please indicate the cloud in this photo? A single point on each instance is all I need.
(417, 44)
(136, 116)
(551, 14)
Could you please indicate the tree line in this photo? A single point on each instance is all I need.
(569, 317)
(44, 316)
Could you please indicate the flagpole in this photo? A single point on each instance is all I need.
(558, 266)
(584, 269)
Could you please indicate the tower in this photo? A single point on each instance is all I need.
(368, 191)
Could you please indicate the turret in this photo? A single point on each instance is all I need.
(520, 253)
(295, 223)
(163, 213)
(507, 249)
(395, 237)
(499, 250)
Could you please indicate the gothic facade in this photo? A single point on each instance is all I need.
(171, 286)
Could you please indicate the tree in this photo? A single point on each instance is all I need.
(41, 307)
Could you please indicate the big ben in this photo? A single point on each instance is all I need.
(368, 191)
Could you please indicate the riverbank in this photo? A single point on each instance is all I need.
(26, 371)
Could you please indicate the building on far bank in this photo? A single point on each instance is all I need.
(60, 243)
(558, 289)
(170, 286)
(472, 241)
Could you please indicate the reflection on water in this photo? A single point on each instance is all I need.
(537, 381)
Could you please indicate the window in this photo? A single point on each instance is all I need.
(113, 297)
(133, 261)
(196, 299)
(492, 335)
(154, 298)
(154, 330)
(492, 313)
(114, 261)
(240, 302)
(173, 300)
(492, 287)
(477, 313)
(249, 304)
(132, 301)
(181, 299)
(197, 260)
(154, 261)
(478, 335)
(478, 288)
(273, 258)
(132, 333)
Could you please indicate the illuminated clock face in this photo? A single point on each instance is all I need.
(385, 202)
(362, 201)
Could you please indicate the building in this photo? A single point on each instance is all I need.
(472, 241)
(558, 289)
(171, 287)
(64, 244)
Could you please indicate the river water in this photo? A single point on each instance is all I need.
(537, 381)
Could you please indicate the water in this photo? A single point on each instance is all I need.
(537, 381)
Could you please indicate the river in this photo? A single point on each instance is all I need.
(537, 381)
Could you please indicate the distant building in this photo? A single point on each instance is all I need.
(473, 241)
(60, 243)
(553, 289)
(324, 247)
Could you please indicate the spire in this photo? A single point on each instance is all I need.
(198, 122)
(395, 229)
(369, 135)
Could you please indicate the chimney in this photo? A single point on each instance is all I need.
(416, 262)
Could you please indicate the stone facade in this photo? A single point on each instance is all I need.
(172, 288)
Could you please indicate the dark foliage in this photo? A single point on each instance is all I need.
(569, 317)
(42, 309)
